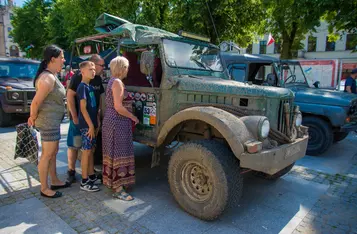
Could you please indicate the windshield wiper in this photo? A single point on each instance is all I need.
(201, 64)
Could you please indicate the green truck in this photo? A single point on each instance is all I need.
(225, 128)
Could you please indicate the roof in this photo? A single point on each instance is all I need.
(19, 60)
(135, 33)
(233, 56)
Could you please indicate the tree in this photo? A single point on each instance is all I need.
(29, 24)
(291, 20)
(235, 20)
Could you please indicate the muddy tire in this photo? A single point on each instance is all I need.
(339, 136)
(276, 175)
(320, 135)
(204, 178)
(5, 118)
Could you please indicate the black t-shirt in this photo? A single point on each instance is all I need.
(96, 83)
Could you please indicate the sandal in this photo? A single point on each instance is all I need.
(66, 185)
(122, 195)
(56, 195)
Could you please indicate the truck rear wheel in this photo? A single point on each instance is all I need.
(339, 136)
(204, 178)
(320, 135)
(5, 118)
(276, 175)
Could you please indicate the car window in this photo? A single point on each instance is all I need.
(20, 70)
(237, 72)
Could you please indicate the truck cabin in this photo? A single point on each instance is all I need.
(180, 55)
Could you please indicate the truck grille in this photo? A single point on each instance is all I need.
(282, 125)
(30, 95)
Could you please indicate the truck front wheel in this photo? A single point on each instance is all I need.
(5, 118)
(320, 135)
(204, 178)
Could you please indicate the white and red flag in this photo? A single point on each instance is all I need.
(270, 39)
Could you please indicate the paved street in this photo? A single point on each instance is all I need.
(318, 196)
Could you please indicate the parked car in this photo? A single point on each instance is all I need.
(329, 114)
(16, 87)
(226, 128)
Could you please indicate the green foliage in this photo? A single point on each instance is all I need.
(42, 22)
(29, 25)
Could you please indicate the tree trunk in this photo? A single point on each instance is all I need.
(286, 47)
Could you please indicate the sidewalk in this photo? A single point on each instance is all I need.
(154, 211)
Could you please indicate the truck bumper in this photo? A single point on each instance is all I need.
(273, 160)
(16, 109)
(349, 127)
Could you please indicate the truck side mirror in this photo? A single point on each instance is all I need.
(316, 84)
(147, 62)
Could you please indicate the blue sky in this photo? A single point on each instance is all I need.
(19, 2)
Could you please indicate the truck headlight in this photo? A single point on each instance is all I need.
(15, 95)
(264, 128)
(298, 121)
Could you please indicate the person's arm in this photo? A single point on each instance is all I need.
(118, 93)
(348, 89)
(83, 108)
(71, 98)
(44, 87)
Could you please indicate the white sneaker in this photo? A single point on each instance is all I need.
(89, 186)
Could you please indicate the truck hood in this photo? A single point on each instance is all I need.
(216, 85)
(21, 84)
(323, 96)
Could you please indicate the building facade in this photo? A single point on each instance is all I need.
(7, 46)
(316, 47)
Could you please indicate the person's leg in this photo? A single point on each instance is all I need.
(85, 163)
(48, 149)
(87, 154)
(73, 143)
(52, 170)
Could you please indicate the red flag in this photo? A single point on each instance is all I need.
(270, 39)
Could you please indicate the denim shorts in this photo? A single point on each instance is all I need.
(87, 143)
(74, 140)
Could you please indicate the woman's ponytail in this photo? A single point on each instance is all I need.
(41, 68)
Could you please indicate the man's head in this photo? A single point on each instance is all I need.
(87, 69)
(99, 63)
(354, 73)
(68, 68)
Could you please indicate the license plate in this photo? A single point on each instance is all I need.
(292, 150)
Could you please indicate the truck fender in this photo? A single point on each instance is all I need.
(228, 125)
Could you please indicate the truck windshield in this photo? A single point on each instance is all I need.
(187, 55)
(292, 73)
(18, 70)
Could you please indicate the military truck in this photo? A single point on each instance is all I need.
(330, 115)
(225, 128)
(16, 87)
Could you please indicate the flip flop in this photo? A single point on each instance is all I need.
(56, 195)
(55, 187)
(122, 196)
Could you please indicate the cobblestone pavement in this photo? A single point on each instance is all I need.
(334, 212)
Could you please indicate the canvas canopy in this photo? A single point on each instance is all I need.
(134, 33)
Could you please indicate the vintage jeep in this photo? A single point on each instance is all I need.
(330, 115)
(16, 87)
(225, 128)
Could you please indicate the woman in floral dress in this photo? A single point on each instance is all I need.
(118, 148)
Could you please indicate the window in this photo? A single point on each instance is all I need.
(277, 47)
(262, 47)
(330, 45)
(311, 44)
(237, 71)
(249, 49)
(11, 16)
(351, 42)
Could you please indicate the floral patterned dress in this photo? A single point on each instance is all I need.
(118, 147)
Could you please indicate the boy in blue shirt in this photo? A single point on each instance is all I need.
(88, 124)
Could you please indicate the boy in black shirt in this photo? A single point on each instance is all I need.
(74, 142)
